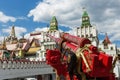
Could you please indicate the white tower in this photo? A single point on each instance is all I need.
(45, 41)
(87, 30)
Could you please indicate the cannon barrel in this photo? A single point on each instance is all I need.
(70, 38)
(79, 41)
(65, 44)
(71, 44)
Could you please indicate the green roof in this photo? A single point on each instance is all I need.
(85, 14)
(85, 22)
(54, 19)
(53, 24)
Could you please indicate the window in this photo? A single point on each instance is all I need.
(83, 19)
(86, 18)
(105, 46)
(82, 36)
(87, 36)
(91, 35)
(111, 48)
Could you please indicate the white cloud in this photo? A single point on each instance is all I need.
(4, 18)
(38, 29)
(105, 14)
(18, 30)
(65, 12)
(22, 18)
(41, 29)
(72, 31)
(44, 29)
(109, 12)
(112, 28)
(116, 37)
(1, 37)
(27, 35)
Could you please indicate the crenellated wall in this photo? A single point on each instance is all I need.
(16, 69)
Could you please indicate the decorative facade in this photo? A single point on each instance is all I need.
(87, 30)
(44, 41)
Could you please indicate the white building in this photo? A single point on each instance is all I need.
(87, 30)
(45, 41)
(108, 47)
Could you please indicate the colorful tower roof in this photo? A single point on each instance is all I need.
(53, 24)
(12, 31)
(85, 14)
(106, 40)
(85, 19)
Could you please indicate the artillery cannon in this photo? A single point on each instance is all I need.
(77, 59)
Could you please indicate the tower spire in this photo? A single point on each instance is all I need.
(53, 24)
(85, 18)
(12, 34)
(84, 12)
(106, 40)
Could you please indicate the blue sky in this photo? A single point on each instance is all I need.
(19, 9)
(35, 15)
